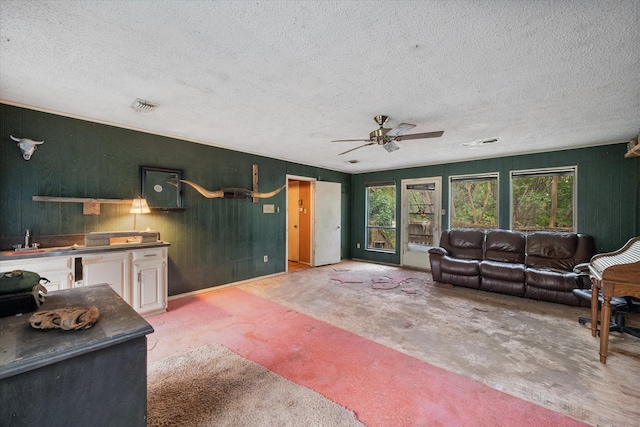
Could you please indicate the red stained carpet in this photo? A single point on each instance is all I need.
(382, 386)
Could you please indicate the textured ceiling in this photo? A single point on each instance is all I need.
(284, 78)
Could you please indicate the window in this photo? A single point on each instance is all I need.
(473, 201)
(543, 200)
(381, 216)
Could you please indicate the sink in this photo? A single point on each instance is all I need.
(35, 251)
(25, 251)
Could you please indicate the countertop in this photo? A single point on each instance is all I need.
(75, 250)
(24, 348)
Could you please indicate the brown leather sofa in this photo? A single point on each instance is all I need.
(537, 265)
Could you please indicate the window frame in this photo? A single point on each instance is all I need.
(560, 170)
(475, 177)
(393, 227)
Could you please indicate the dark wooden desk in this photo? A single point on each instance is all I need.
(96, 376)
(618, 280)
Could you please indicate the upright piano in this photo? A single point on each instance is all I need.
(615, 274)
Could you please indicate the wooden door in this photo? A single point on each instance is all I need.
(293, 220)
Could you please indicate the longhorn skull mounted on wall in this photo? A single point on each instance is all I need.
(232, 193)
(27, 146)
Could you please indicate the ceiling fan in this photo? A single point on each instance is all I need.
(387, 137)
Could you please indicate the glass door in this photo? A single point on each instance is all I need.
(421, 220)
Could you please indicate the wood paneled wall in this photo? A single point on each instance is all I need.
(213, 242)
(608, 192)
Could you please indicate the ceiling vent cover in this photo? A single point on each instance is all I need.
(143, 106)
(480, 142)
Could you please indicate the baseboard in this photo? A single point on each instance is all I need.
(227, 285)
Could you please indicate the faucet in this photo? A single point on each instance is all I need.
(27, 243)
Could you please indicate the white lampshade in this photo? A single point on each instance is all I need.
(139, 206)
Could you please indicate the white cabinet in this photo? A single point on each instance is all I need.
(149, 281)
(58, 270)
(138, 275)
(109, 267)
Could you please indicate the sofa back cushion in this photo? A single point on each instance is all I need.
(558, 251)
(465, 244)
(505, 246)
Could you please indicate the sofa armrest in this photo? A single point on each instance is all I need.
(438, 251)
(582, 268)
(435, 258)
(583, 280)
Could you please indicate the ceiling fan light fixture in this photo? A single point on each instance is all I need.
(390, 146)
(387, 136)
(143, 106)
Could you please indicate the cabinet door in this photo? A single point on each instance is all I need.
(150, 281)
(58, 279)
(149, 288)
(58, 270)
(112, 268)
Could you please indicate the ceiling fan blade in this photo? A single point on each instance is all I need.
(391, 147)
(437, 134)
(401, 128)
(348, 151)
(351, 140)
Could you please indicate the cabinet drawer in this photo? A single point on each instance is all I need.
(149, 254)
(38, 264)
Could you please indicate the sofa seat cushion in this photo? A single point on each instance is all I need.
(502, 286)
(562, 281)
(460, 272)
(472, 282)
(567, 298)
(503, 271)
(462, 267)
(502, 277)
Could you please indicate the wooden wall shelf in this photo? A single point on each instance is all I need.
(89, 206)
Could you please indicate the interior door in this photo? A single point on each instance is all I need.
(293, 221)
(327, 223)
(421, 220)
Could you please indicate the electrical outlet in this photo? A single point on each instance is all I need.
(266, 258)
(358, 245)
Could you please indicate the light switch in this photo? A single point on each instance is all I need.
(268, 209)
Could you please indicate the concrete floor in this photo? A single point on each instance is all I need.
(533, 350)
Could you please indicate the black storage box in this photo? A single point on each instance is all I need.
(23, 302)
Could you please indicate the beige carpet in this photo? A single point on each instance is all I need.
(212, 386)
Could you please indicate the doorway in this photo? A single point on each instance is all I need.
(421, 220)
(313, 222)
(299, 214)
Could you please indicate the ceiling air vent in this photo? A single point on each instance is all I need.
(143, 106)
(480, 142)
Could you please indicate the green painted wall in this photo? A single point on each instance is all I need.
(216, 241)
(608, 192)
(213, 242)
